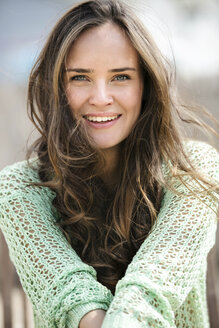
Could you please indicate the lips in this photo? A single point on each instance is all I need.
(100, 119)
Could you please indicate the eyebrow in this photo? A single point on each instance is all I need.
(87, 70)
(122, 69)
(79, 70)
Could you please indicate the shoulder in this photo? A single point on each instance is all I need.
(197, 149)
(203, 156)
(20, 173)
(19, 177)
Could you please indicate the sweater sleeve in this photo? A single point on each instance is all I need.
(60, 286)
(168, 263)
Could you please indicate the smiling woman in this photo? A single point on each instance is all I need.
(111, 224)
(104, 84)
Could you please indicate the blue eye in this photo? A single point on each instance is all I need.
(122, 77)
(78, 78)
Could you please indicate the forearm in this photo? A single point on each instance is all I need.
(92, 319)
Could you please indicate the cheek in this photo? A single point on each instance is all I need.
(75, 99)
(132, 100)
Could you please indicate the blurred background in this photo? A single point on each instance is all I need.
(187, 32)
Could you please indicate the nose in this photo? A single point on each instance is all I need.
(100, 95)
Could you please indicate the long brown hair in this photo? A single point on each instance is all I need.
(105, 227)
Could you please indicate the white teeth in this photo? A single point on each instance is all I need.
(100, 118)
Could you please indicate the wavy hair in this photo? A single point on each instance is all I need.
(105, 227)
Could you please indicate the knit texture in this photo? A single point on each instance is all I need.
(164, 285)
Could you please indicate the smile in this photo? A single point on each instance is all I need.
(100, 119)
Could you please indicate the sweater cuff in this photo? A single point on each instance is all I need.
(75, 315)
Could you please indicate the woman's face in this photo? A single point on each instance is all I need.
(104, 84)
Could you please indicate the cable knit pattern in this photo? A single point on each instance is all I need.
(164, 285)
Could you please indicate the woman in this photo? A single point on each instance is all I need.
(111, 224)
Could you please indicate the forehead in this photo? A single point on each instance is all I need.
(106, 44)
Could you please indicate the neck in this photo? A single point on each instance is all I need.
(111, 169)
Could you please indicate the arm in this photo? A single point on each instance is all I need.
(92, 319)
(168, 264)
(61, 287)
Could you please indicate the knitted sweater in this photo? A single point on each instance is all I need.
(164, 285)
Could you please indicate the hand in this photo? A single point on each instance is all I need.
(92, 319)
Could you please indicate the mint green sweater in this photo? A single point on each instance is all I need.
(164, 285)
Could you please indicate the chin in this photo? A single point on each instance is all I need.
(106, 145)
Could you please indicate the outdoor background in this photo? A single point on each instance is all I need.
(187, 31)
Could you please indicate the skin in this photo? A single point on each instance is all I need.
(92, 319)
(104, 79)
